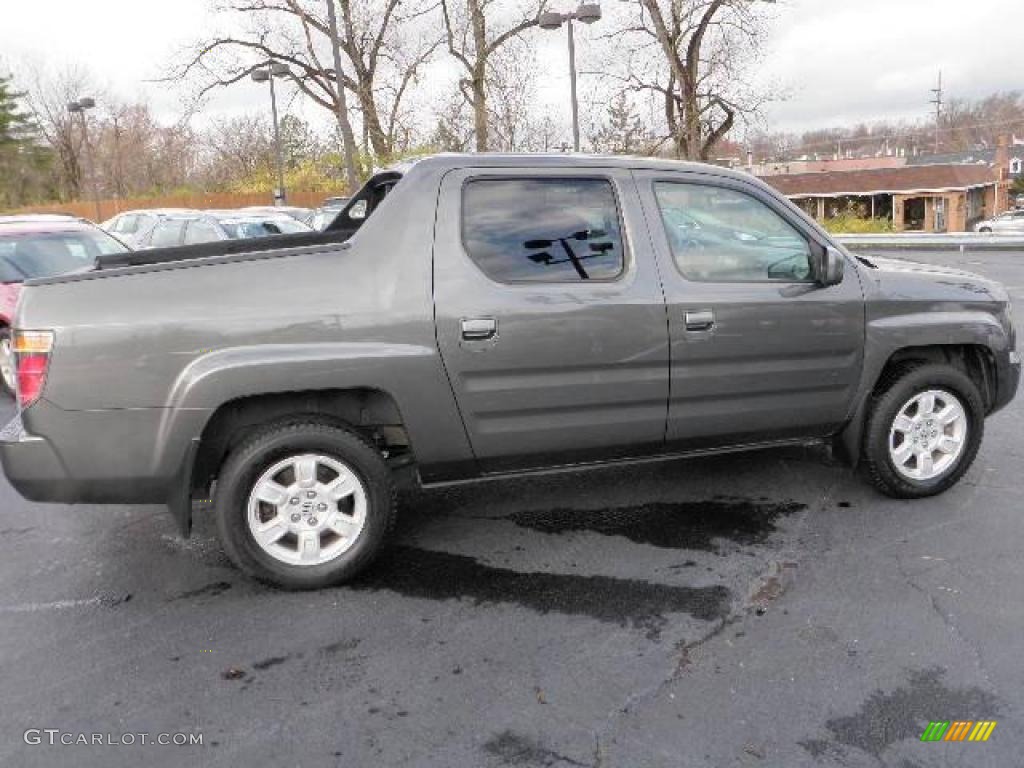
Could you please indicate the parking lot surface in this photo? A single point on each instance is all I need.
(764, 609)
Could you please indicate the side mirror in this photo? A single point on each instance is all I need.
(830, 266)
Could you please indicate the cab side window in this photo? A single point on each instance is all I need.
(543, 230)
(722, 235)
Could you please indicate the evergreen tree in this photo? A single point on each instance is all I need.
(24, 163)
(623, 132)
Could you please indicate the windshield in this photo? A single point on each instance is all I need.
(240, 229)
(44, 254)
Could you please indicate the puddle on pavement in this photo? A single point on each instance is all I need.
(435, 575)
(887, 718)
(673, 525)
(512, 748)
(210, 590)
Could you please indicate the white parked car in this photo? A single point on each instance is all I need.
(1011, 222)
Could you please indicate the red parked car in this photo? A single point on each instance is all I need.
(41, 246)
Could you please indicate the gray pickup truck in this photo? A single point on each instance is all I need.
(473, 316)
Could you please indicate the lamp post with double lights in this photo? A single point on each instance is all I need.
(80, 107)
(588, 13)
(266, 75)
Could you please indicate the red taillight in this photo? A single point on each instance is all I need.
(32, 353)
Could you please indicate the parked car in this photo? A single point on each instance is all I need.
(133, 226)
(40, 246)
(1011, 222)
(211, 226)
(299, 214)
(491, 315)
(326, 213)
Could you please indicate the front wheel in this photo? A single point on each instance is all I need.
(923, 431)
(8, 371)
(304, 505)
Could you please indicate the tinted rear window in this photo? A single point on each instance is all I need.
(543, 230)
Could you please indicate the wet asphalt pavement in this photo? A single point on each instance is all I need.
(757, 610)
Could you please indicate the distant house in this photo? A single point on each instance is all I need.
(1014, 159)
(923, 198)
(804, 165)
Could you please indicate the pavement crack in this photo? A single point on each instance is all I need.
(947, 621)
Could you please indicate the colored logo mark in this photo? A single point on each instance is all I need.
(958, 730)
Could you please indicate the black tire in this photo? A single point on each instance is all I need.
(251, 459)
(5, 335)
(986, 230)
(885, 405)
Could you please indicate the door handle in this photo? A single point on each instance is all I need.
(479, 328)
(699, 320)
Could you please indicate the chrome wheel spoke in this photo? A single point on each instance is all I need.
(272, 493)
(340, 487)
(926, 404)
(948, 445)
(309, 546)
(305, 472)
(925, 464)
(271, 531)
(949, 414)
(903, 424)
(902, 454)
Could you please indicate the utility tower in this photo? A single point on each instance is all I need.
(937, 101)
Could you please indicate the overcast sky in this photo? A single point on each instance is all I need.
(838, 61)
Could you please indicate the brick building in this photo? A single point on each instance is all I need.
(927, 198)
(949, 197)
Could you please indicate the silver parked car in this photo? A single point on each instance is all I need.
(1011, 222)
(133, 227)
(195, 227)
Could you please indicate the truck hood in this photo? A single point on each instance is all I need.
(927, 282)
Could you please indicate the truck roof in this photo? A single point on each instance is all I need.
(560, 160)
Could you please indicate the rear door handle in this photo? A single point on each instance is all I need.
(699, 320)
(479, 328)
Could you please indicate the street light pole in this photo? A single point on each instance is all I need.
(275, 69)
(572, 87)
(588, 13)
(280, 196)
(80, 107)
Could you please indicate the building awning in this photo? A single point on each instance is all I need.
(908, 180)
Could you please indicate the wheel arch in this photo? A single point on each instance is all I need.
(369, 411)
(976, 360)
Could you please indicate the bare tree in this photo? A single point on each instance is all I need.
(474, 46)
(692, 53)
(511, 104)
(134, 154)
(384, 53)
(48, 97)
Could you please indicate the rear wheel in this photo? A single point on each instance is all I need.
(8, 370)
(923, 431)
(304, 505)
(986, 229)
